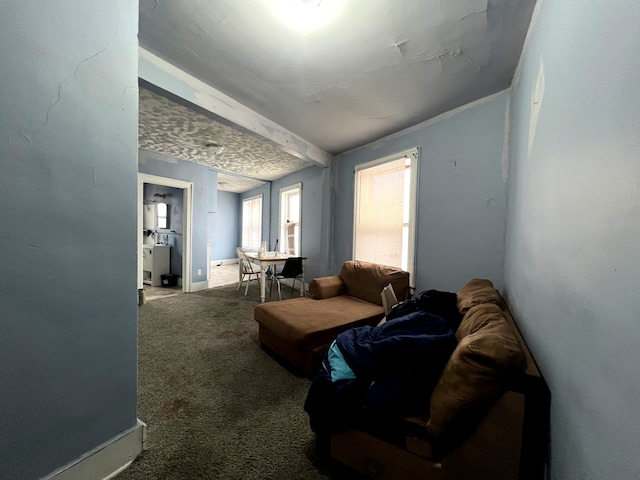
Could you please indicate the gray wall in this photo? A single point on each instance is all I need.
(68, 153)
(223, 226)
(572, 261)
(461, 195)
(205, 189)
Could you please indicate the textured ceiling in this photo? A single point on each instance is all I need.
(367, 69)
(172, 129)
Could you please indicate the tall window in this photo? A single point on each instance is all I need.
(252, 222)
(385, 200)
(290, 217)
(162, 215)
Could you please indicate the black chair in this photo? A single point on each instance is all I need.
(292, 269)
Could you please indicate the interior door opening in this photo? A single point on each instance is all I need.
(164, 233)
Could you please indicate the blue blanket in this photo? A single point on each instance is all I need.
(396, 366)
(397, 347)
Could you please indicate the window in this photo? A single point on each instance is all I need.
(290, 219)
(162, 215)
(385, 200)
(252, 222)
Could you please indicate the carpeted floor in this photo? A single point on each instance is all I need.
(216, 404)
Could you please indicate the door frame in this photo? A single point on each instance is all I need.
(187, 188)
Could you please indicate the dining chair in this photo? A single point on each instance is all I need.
(246, 269)
(292, 269)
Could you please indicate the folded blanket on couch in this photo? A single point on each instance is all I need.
(395, 364)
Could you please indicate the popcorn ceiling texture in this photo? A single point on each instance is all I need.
(233, 183)
(172, 129)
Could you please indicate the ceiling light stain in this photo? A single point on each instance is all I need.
(305, 15)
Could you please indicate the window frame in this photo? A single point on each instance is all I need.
(283, 196)
(413, 155)
(250, 246)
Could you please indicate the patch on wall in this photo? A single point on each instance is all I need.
(505, 141)
(536, 104)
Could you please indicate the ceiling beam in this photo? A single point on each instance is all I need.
(163, 74)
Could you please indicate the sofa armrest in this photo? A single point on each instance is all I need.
(326, 287)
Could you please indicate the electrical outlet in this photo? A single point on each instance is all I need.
(199, 271)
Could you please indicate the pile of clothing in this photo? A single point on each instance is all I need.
(374, 377)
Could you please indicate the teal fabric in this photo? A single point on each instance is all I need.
(340, 370)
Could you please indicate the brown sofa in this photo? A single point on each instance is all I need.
(301, 329)
(488, 416)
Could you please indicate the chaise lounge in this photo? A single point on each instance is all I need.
(300, 330)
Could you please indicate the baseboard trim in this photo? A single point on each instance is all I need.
(225, 261)
(106, 460)
(199, 286)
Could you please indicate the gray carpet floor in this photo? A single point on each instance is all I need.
(218, 405)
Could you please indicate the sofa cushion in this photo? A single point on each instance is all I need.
(326, 287)
(477, 292)
(307, 323)
(477, 374)
(480, 317)
(366, 280)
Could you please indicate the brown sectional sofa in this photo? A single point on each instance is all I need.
(488, 416)
(300, 330)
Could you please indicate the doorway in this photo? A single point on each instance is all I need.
(165, 215)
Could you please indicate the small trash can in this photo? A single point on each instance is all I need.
(169, 280)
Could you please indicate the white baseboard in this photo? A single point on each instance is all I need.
(199, 286)
(225, 261)
(106, 460)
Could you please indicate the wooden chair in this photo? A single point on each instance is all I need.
(246, 269)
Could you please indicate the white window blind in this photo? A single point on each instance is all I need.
(381, 213)
(385, 207)
(252, 222)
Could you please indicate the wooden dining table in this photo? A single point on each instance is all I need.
(271, 259)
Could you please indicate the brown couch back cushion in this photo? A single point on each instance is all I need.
(366, 280)
(477, 292)
(477, 374)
